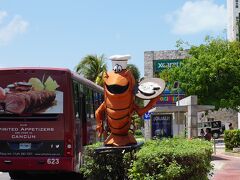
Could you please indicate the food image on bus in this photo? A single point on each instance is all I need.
(31, 96)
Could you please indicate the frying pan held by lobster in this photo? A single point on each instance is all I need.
(119, 102)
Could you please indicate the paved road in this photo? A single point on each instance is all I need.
(226, 167)
(4, 176)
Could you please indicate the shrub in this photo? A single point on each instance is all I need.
(231, 139)
(174, 158)
(105, 165)
(88, 165)
(138, 133)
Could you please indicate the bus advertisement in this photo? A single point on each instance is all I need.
(46, 117)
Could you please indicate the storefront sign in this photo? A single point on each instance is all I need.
(147, 115)
(160, 65)
(162, 125)
(170, 98)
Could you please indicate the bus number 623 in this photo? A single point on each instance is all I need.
(53, 161)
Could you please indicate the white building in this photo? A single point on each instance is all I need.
(233, 12)
(233, 29)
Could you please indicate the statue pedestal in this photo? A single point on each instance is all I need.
(118, 149)
(113, 162)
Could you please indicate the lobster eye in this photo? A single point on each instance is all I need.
(117, 68)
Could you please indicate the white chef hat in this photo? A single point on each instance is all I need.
(119, 62)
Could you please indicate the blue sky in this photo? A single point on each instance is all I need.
(59, 33)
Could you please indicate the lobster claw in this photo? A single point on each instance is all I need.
(99, 129)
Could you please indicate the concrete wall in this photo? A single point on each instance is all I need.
(150, 56)
(232, 13)
(224, 115)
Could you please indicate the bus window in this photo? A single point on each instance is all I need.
(81, 88)
(97, 100)
(89, 103)
(76, 100)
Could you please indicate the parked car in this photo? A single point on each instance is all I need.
(216, 127)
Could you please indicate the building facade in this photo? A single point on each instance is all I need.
(233, 27)
(233, 13)
(167, 119)
(171, 120)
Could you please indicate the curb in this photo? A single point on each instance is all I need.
(232, 154)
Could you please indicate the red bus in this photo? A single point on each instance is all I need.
(46, 117)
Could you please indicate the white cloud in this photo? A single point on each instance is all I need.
(198, 16)
(17, 25)
(3, 14)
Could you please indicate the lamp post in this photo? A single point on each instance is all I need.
(176, 86)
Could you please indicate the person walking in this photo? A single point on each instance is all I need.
(202, 133)
(208, 135)
(230, 126)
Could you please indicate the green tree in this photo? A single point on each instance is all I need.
(139, 122)
(135, 71)
(212, 72)
(136, 74)
(92, 67)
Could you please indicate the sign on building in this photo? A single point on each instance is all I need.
(160, 65)
(170, 98)
(147, 116)
(162, 125)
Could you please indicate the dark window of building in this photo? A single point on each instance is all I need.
(238, 26)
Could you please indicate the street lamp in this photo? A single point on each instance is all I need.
(176, 86)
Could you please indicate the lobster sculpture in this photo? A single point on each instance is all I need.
(119, 106)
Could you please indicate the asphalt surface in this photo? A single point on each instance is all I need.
(59, 176)
(226, 165)
(4, 176)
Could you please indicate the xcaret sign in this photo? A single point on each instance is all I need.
(160, 65)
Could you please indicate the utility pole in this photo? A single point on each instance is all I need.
(176, 87)
(178, 110)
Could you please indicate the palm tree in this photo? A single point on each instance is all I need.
(136, 73)
(92, 67)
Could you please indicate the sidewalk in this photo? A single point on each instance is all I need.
(226, 166)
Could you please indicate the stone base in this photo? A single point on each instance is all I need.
(119, 149)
